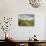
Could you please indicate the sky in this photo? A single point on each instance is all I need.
(26, 16)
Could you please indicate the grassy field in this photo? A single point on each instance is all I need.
(25, 22)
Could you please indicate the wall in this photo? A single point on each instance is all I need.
(12, 8)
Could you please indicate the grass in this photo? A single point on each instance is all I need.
(25, 22)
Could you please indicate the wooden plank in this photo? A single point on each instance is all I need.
(25, 44)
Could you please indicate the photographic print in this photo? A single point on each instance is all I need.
(26, 20)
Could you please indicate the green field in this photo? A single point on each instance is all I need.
(25, 22)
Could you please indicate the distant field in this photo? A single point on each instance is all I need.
(25, 22)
